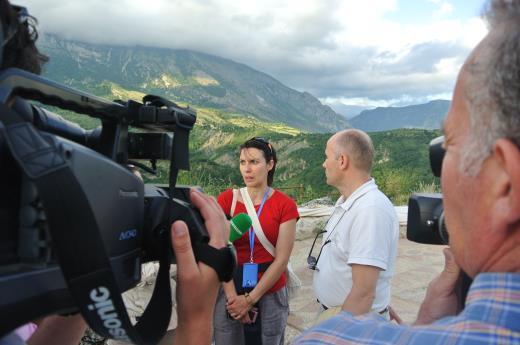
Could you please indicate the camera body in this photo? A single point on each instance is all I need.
(426, 216)
(426, 219)
(425, 222)
(76, 223)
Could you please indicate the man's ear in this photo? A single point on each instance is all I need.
(506, 188)
(344, 161)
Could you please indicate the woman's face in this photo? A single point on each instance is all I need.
(253, 167)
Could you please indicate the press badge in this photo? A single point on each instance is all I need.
(250, 275)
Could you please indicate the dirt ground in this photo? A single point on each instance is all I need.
(416, 265)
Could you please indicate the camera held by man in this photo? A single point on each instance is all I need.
(76, 222)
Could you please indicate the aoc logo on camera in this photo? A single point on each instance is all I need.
(128, 234)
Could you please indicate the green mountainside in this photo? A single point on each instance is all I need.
(128, 73)
(401, 162)
(186, 76)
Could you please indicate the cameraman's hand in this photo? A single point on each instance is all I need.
(197, 284)
(59, 330)
(441, 296)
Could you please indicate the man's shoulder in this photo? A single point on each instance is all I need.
(375, 199)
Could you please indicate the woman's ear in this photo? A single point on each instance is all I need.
(270, 165)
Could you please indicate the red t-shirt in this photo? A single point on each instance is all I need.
(278, 209)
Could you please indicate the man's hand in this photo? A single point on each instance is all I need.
(197, 284)
(441, 296)
(394, 316)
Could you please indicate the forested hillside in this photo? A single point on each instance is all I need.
(234, 103)
(401, 162)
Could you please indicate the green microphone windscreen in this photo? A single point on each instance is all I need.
(239, 224)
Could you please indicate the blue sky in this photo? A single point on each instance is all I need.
(364, 53)
(417, 11)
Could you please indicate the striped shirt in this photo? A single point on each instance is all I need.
(491, 316)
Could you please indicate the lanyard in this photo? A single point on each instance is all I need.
(251, 231)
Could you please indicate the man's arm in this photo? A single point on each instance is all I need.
(197, 284)
(364, 281)
(441, 296)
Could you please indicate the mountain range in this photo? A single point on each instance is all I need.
(229, 111)
(425, 116)
(232, 89)
(186, 76)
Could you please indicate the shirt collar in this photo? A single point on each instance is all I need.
(366, 187)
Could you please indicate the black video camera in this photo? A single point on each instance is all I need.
(75, 223)
(425, 211)
(426, 216)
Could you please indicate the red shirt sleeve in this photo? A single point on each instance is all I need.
(289, 210)
(225, 199)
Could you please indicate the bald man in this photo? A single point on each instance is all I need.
(359, 248)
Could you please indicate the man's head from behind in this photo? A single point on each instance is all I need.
(481, 169)
(18, 41)
(348, 152)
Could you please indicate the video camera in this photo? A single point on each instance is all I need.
(426, 216)
(425, 211)
(76, 223)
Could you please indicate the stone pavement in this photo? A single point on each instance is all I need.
(416, 265)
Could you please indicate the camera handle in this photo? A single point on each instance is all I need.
(72, 223)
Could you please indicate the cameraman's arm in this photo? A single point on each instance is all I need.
(441, 296)
(197, 283)
(59, 330)
(230, 291)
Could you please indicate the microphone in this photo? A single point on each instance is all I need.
(239, 224)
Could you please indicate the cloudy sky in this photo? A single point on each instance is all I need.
(354, 52)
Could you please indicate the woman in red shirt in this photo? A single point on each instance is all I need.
(263, 302)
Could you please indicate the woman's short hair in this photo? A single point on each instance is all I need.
(268, 151)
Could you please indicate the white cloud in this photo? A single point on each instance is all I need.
(340, 49)
(357, 101)
(448, 66)
(443, 8)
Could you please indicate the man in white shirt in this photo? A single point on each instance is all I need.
(359, 248)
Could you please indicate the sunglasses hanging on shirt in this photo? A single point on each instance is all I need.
(312, 261)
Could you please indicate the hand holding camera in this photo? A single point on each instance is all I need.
(82, 223)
